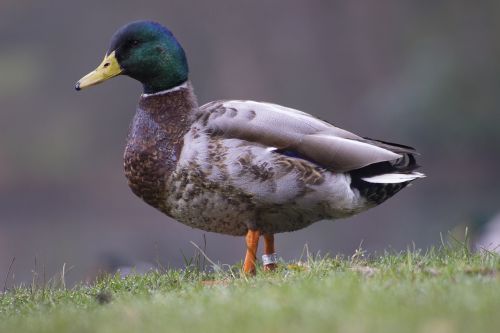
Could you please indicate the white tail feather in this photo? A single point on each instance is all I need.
(391, 178)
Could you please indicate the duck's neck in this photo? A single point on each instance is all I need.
(171, 111)
(183, 86)
(176, 102)
(155, 140)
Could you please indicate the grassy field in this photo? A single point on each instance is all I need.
(446, 290)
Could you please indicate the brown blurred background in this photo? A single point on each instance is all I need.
(422, 73)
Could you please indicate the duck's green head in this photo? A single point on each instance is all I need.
(145, 51)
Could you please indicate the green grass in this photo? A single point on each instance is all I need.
(446, 290)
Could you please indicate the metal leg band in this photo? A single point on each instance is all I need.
(268, 259)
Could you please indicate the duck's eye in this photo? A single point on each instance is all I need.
(135, 42)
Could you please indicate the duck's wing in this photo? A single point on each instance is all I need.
(284, 128)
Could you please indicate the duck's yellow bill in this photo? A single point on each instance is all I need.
(108, 68)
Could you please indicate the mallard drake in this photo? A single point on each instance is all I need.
(237, 167)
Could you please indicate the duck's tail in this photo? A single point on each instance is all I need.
(379, 181)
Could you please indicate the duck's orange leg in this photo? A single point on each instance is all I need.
(269, 257)
(252, 240)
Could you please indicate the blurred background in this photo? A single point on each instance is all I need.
(421, 73)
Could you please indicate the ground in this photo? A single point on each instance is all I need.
(444, 290)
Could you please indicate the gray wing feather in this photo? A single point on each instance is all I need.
(342, 154)
(284, 128)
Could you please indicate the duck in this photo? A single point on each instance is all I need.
(240, 167)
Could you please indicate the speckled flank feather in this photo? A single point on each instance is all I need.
(213, 167)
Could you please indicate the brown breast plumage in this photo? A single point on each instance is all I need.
(155, 141)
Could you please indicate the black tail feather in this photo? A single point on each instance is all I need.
(377, 192)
